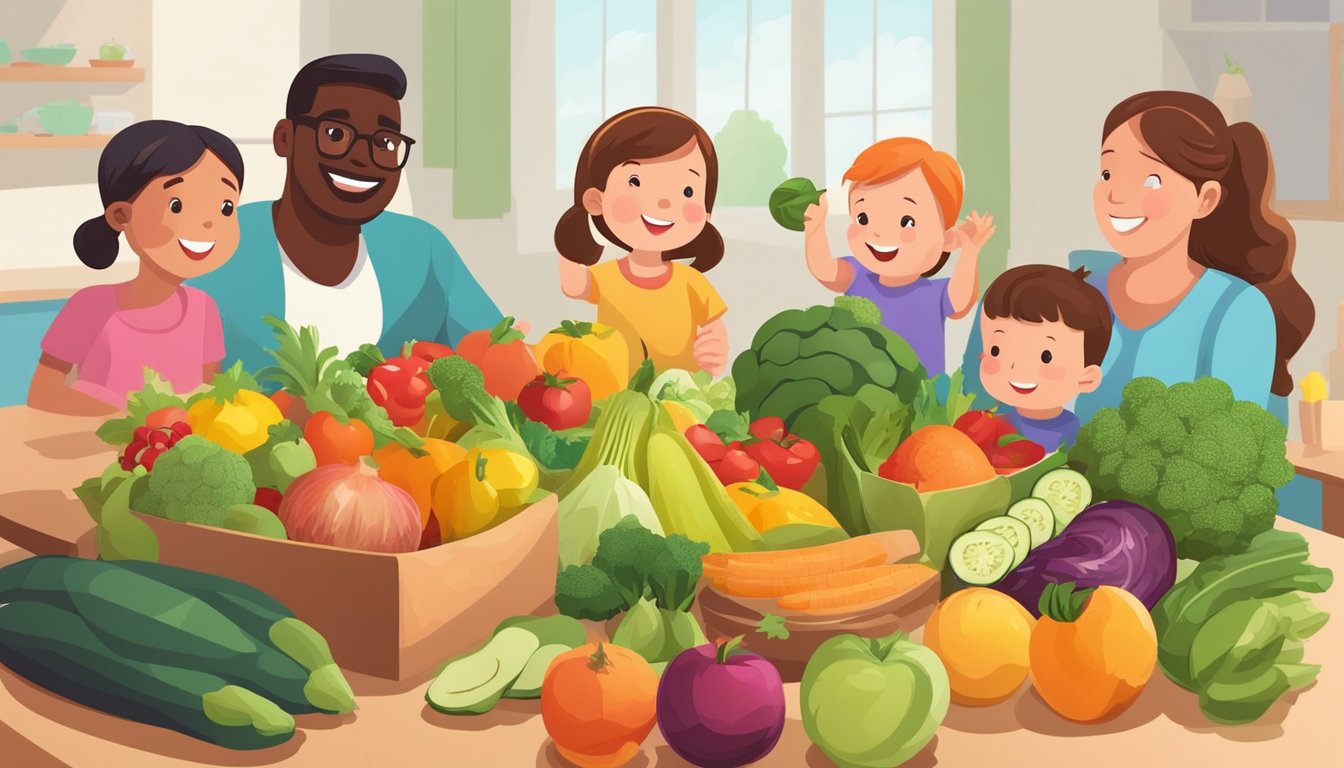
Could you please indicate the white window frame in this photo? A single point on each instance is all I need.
(533, 89)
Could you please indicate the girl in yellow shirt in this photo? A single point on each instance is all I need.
(646, 179)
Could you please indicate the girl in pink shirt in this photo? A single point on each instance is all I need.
(171, 189)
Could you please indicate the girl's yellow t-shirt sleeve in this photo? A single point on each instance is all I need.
(708, 303)
(594, 285)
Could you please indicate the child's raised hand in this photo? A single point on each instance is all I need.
(975, 231)
(815, 215)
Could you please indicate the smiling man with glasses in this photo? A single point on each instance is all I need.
(328, 253)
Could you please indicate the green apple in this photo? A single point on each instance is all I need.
(112, 51)
(871, 703)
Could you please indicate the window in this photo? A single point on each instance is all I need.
(606, 61)
(735, 71)
(879, 75)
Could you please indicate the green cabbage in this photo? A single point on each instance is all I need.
(790, 200)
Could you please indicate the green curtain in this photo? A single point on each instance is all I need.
(466, 101)
(983, 39)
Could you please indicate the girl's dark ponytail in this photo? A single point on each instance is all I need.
(96, 243)
(573, 239)
(1243, 236)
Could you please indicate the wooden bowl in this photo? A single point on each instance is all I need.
(727, 616)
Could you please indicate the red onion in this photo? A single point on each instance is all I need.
(350, 507)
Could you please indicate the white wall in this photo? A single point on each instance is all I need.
(1072, 62)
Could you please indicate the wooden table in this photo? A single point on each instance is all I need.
(1327, 467)
(42, 456)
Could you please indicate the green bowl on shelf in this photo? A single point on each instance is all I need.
(52, 55)
(65, 118)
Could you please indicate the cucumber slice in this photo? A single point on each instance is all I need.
(981, 558)
(1013, 531)
(1067, 493)
(1039, 518)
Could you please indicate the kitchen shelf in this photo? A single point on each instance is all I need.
(71, 74)
(47, 141)
(1223, 27)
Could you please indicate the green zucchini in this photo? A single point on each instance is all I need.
(54, 648)
(256, 612)
(142, 617)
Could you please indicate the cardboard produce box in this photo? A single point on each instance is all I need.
(393, 616)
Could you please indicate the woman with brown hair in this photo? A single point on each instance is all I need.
(1204, 285)
(1201, 280)
(646, 180)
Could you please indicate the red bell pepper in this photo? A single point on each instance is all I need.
(985, 428)
(788, 459)
(400, 385)
(1014, 453)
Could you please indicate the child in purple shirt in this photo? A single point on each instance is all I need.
(904, 198)
(171, 190)
(1046, 331)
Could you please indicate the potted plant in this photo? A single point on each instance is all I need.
(1233, 93)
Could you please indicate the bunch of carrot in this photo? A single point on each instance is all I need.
(837, 577)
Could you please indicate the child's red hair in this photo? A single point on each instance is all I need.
(890, 158)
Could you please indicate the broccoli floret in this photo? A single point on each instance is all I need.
(1137, 479)
(1110, 464)
(1138, 392)
(1258, 505)
(461, 387)
(1106, 431)
(1275, 471)
(1156, 423)
(864, 310)
(627, 552)
(282, 458)
(196, 481)
(1194, 400)
(585, 592)
(1185, 487)
(676, 571)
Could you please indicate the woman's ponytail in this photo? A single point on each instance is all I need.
(1245, 237)
(574, 240)
(96, 243)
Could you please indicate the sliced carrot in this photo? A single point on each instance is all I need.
(887, 585)
(860, 551)
(804, 582)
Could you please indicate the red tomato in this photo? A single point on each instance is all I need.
(736, 466)
(559, 403)
(706, 443)
(503, 357)
(788, 459)
(268, 498)
(401, 385)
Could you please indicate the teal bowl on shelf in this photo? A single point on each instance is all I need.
(52, 55)
(65, 118)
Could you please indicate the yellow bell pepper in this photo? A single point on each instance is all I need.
(766, 509)
(595, 353)
(485, 488)
(234, 416)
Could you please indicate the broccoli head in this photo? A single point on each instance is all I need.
(585, 592)
(676, 572)
(196, 481)
(1206, 463)
(863, 310)
(461, 386)
(627, 552)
